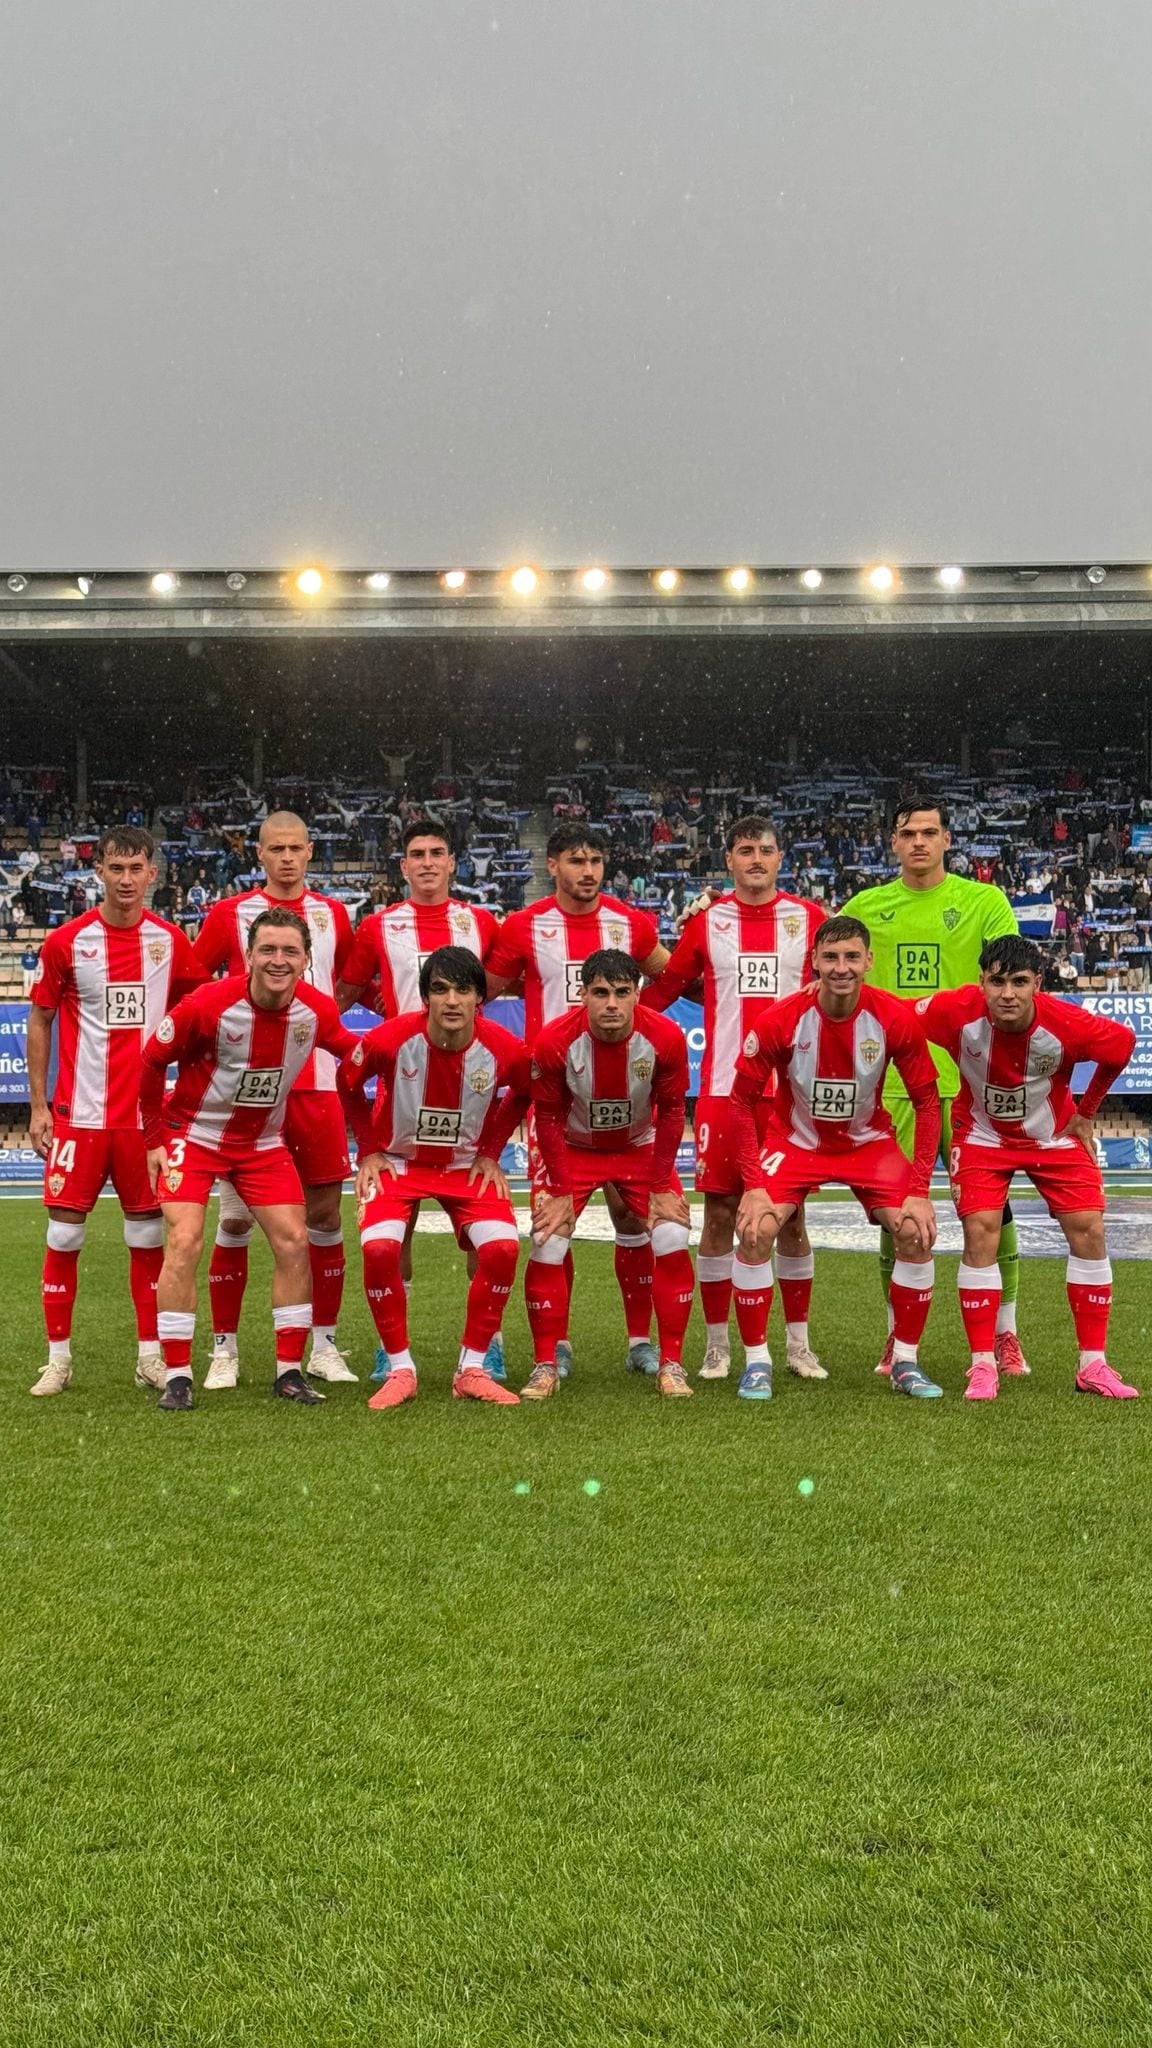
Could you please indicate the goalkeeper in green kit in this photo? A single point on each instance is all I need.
(927, 929)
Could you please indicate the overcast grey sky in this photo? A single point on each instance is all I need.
(477, 280)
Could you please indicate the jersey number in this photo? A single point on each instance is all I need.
(771, 1162)
(63, 1154)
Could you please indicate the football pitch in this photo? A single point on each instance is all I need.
(334, 1728)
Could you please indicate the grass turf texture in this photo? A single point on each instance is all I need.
(317, 1730)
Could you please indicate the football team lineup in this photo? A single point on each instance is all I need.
(848, 1050)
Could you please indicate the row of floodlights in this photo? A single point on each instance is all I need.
(525, 580)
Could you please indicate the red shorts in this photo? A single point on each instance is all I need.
(264, 1180)
(315, 1136)
(629, 1172)
(80, 1161)
(462, 1200)
(981, 1176)
(878, 1174)
(716, 1170)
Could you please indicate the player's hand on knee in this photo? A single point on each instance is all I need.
(370, 1175)
(40, 1131)
(553, 1213)
(756, 1218)
(488, 1173)
(669, 1206)
(915, 1228)
(157, 1158)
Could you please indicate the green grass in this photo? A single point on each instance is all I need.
(316, 1732)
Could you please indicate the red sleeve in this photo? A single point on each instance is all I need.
(344, 938)
(52, 972)
(187, 971)
(685, 966)
(504, 1116)
(363, 954)
(817, 914)
(1108, 1042)
(942, 1017)
(333, 1034)
(550, 1102)
(753, 1072)
(174, 1038)
(510, 952)
(215, 941)
(668, 1099)
(366, 1056)
(913, 1063)
(645, 937)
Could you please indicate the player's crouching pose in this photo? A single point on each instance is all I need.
(1015, 1048)
(437, 1130)
(829, 1048)
(609, 1084)
(239, 1045)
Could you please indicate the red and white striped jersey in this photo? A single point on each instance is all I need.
(236, 1063)
(748, 954)
(547, 946)
(1016, 1086)
(394, 943)
(830, 1073)
(222, 942)
(109, 988)
(609, 1096)
(433, 1107)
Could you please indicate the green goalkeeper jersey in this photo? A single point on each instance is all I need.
(926, 939)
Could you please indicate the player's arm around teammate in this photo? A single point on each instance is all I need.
(1016, 1049)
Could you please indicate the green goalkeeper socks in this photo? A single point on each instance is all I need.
(1009, 1261)
(887, 1262)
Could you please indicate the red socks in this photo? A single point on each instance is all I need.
(980, 1289)
(546, 1296)
(489, 1290)
(58, 1292)
(227, 1279)
(291, 1325)
(326, 1258)
(910, 1298)
(673, 1286)
(384, 1287)
(752, 1294)
(634, 1272)
(1090, 1298)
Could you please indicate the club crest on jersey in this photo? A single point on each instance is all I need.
(751, 1046)
(55, 1183)
(642, 1069)
(157, 951)
(320, 917)
(617, 933)
(1046, 1064)
(172, 1179)
(358, 1053)
(480, 1082)
(460, 921)
(870, 1051)
(951, 918)
(301, 1032)
(793, 925)
(165, 1031)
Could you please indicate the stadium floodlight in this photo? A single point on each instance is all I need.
(17, 583)
(667, 579)
(454, 579)
(881, 577)
(523, 580)
(951, 577)
(739, 579)
(594, 580)
(812, 579)
(378, 580)
(235, 579)
(310, 582)
(164, 583)
(83, 585)
(1096, 574)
